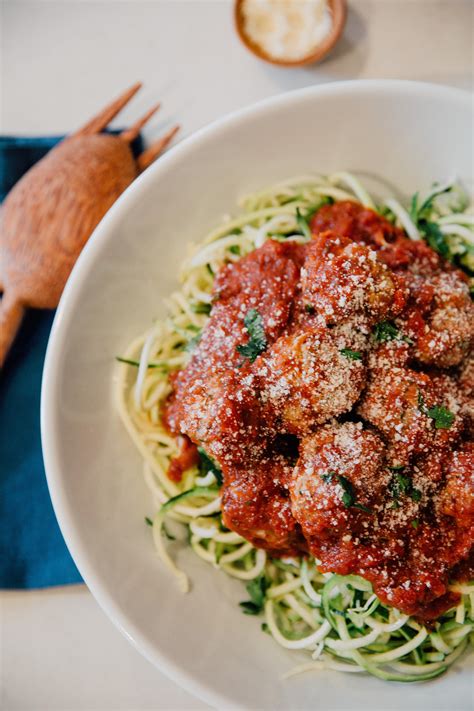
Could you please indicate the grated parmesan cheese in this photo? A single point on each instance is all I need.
(286, 29)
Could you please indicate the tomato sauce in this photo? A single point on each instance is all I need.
(331, 386)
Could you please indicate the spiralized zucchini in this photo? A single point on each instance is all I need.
(336, 620)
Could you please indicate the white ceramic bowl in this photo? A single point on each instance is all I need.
(408, 133)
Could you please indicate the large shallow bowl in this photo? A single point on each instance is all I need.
(410, 134)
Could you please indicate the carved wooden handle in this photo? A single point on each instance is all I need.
(11, 316)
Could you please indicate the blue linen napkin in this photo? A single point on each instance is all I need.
(32, 550)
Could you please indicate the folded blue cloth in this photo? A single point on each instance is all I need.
(32, 551)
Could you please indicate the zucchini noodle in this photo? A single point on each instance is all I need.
(336, 620)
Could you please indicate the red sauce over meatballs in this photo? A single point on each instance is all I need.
(333, 386)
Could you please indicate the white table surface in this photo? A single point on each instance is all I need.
(60, 61)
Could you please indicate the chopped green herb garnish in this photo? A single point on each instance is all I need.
(257, 340)
(249, 608)
(257, 590)
(352, 355)
(235, 249)
(148, 521)
(435, 238)
(385, 331)
(348, 497)
(309, 308)
(207, 464)
(414, 494)
(265, 628)
(443, 418)
(210, 269)
(415, 523)
(402, 484)
(201, 308)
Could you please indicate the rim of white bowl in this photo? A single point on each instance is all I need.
(55, 349)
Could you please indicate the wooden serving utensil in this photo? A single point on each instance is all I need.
(49, 215)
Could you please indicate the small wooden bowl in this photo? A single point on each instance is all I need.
(338, 12)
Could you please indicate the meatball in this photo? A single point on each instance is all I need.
(439, 319)
(218, 412)
(457, 497)
(404, 405)
(364, 226)
(337, 486)
(343, 280)
(256, 505)
(310, 376)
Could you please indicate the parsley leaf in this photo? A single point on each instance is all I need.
(443, 418)
(257, 589)
(235, 249)
(352, 355)
(309, 308)
(385, 331)
(435, 238)
(249, 608)
(348, 497)
(402, 484)
(415, 523)
(207, 464)
(148, 521)
(257, 342)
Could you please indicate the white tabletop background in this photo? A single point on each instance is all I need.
(59, 62)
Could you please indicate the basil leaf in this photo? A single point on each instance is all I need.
(257, 339)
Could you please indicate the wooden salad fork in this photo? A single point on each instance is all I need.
(49, 215)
